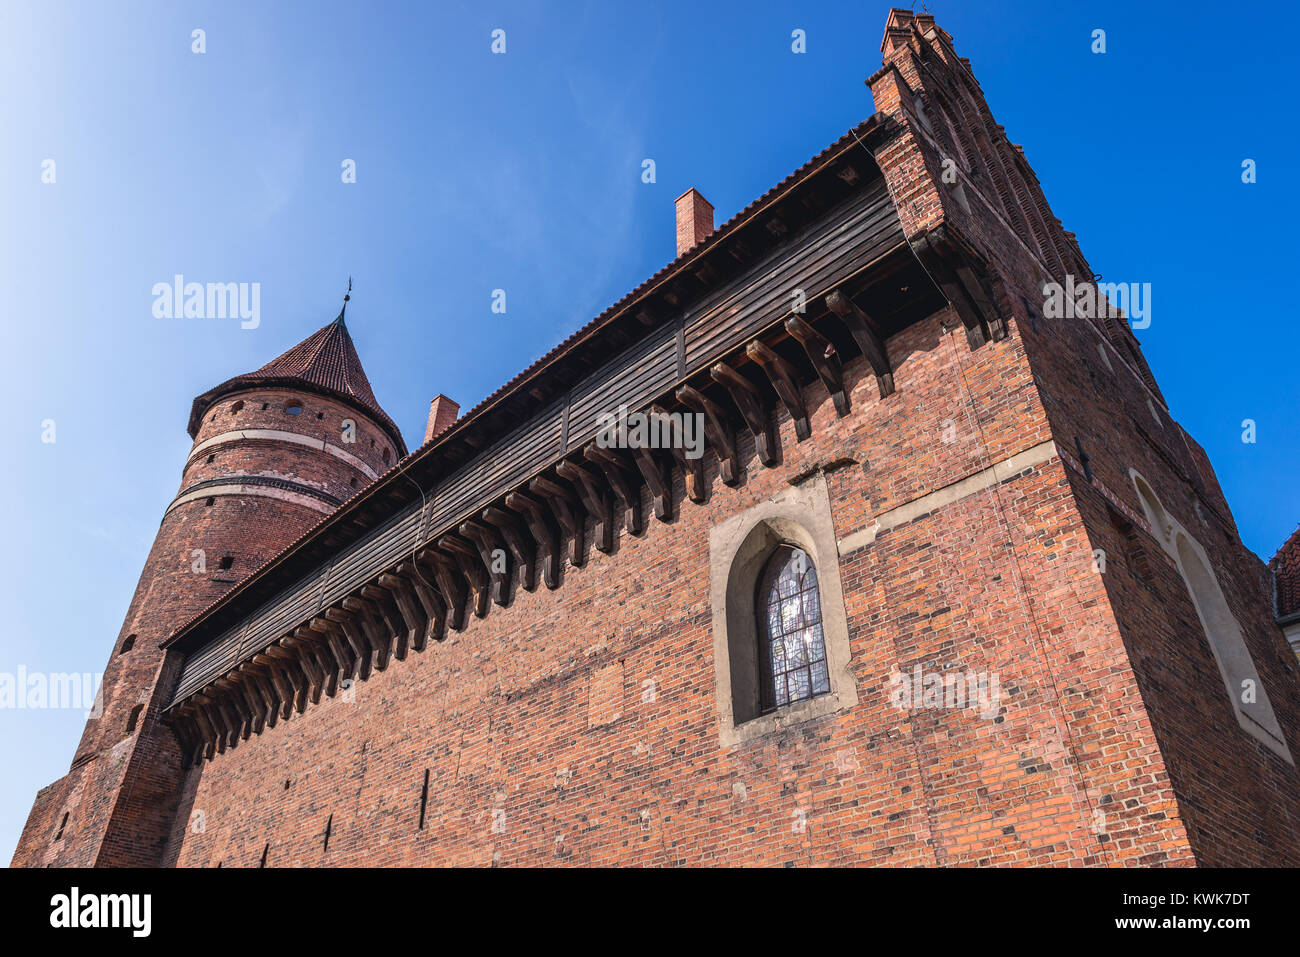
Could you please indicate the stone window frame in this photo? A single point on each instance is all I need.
(739, 549)
(1223, 633)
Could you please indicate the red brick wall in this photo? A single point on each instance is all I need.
(1238, 799)
(580, 726)
(121, 784)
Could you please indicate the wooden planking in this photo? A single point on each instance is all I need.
(279, 618)
(375, 553)
(851, 236)
(213, 659)
(856, 233)
(637, 376)
(497, 469)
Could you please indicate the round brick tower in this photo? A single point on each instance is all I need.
(275, 451)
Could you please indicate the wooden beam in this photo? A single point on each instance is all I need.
(975, 289)
(217, 719)
(315, 675)
(379, 635)
(193, 743)
(522, 549)
(407, 604)
(821, 353)
(933, 251)
(337, 644)
(355, 638)
(467, 559)
(210, 697)
(544, 533)
(594, 498)
(435, 609)
(717, 426)
(785, 383)
(385, 608)
(248, 688)
(563, 504)
(208, 726)
(190, 735)
(314, 646)
(753, 409)
(658, 480)
(283, 685)
(696, 487)
(628, 491)
(294, 674)
(259, 673)
(373, 628)
(866, 333)
(454, 590)
(485, 539)
(232, 696)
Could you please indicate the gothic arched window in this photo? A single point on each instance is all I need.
(792, 648)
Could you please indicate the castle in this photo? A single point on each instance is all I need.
(948, 584)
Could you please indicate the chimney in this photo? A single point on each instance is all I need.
(694, 220)
(442, 413)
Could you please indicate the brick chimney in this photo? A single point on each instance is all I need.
(442, 413)
(694, 220)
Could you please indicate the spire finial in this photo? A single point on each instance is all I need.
(346, 297)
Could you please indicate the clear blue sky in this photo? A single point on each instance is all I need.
(522, 172)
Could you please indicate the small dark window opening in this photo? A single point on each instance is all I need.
(1083, 459)
(265, 406)
(208, 503)
(132, 718)
(58, 835)
(226, 562)
(212, 458)
(424, 798)
(385, 456)
(353, 481)
(792, 647)
(286, 784)
(127, 644)
(237, 407)
(320, 415)
(1029, 310)
(1135, 554)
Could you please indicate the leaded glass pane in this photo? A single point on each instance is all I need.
(789, 611)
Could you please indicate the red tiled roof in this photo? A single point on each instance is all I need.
(326, 362)
(1285, 566)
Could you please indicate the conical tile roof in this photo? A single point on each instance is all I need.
(325, 362)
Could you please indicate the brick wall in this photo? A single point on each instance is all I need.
(581, 726)
(121, 785)
(1238, 799)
